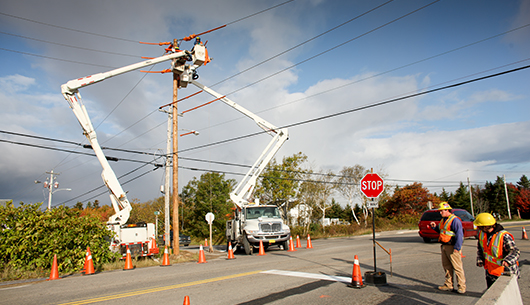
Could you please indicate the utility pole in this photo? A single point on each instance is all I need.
(470, 195)
(176, 250)
(507, 199)
(49, 185)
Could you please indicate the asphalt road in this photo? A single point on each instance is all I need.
(311, 276)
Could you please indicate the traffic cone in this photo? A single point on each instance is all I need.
(128, 260)
(356, 278)
(202, 258)
(186, 300)
(206, 242)
(165, 260)
(154, 247)
(298, 245)
(309, 244)
(54, 274)
(230, 251)
(524, 234)
(261, 249)
(89, 264)
(291, 245)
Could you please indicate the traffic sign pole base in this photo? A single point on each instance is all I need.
(375, 278)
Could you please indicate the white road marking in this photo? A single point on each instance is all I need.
(310, 275)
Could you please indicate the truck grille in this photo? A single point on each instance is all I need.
(271, 227)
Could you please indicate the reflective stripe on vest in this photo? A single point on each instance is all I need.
(493, 252)
(445, 229)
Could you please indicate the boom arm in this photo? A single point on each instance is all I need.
(70, 91)
(244, 189)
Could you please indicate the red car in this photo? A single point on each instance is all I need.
(428, 234)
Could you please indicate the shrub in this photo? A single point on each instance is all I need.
(30, 238)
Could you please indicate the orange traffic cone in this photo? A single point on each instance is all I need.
(54, 274)
(202, 258)
(89, 264)
(291, 245)
(524, 234)
(298, 245)
(356, 278)
(154, 247)
(230, 251)
(309, 244)
(165, 260)
(206, 242)
(128, 260)
(186, 300)
(261, 249)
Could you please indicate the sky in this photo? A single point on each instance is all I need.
(290, 62)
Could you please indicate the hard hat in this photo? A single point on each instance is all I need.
(444, 206)
(484, 219)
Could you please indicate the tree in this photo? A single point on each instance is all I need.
(523, 183)
(280, 182)
(316, 192)
(210, 193)
(347, 185)
(460, 199)
(522, 201)
(410, 200)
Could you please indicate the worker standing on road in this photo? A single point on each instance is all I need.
(497, 251)
(452, 238)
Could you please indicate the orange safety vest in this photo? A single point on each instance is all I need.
(445, 229)
(493, 251)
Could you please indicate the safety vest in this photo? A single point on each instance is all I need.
(445, 229)
(493, 251)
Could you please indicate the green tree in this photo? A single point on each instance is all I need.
(210, 193)
(460, 199)
(523, 183)
(316, 192)
(280, 181)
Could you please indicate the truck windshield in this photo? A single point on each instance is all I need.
(256, 212)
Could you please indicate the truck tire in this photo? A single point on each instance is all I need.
(247, 245)
(285, 245)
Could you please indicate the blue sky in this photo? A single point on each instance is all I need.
(393, 49)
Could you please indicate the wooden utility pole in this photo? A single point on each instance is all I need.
(175, 199)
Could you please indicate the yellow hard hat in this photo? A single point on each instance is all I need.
(484, 219)
(444, 206)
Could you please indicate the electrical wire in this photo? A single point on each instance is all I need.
(367, 106)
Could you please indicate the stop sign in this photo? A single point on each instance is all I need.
(372, 185)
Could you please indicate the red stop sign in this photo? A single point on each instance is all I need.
(372, 185)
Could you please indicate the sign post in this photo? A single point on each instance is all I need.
(372, 185)
(209, 218)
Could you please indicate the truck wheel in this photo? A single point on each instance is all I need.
(285, 245)
(246, 244)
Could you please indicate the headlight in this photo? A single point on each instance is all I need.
(253, 231)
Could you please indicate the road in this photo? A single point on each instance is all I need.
(311, 276)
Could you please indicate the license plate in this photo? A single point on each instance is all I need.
(271, 241)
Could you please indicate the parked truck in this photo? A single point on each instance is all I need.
(140, 238)
(252, 222)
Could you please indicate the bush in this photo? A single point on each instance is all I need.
(30, 238)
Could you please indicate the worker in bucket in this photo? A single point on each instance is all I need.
(497, 251)
(452, 238)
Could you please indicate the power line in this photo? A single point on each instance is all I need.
(365, 107)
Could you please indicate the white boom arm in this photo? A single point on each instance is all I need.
(244, 189)
(119, 200)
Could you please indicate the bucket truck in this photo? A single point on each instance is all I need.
(253, 222)
(140, 238)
